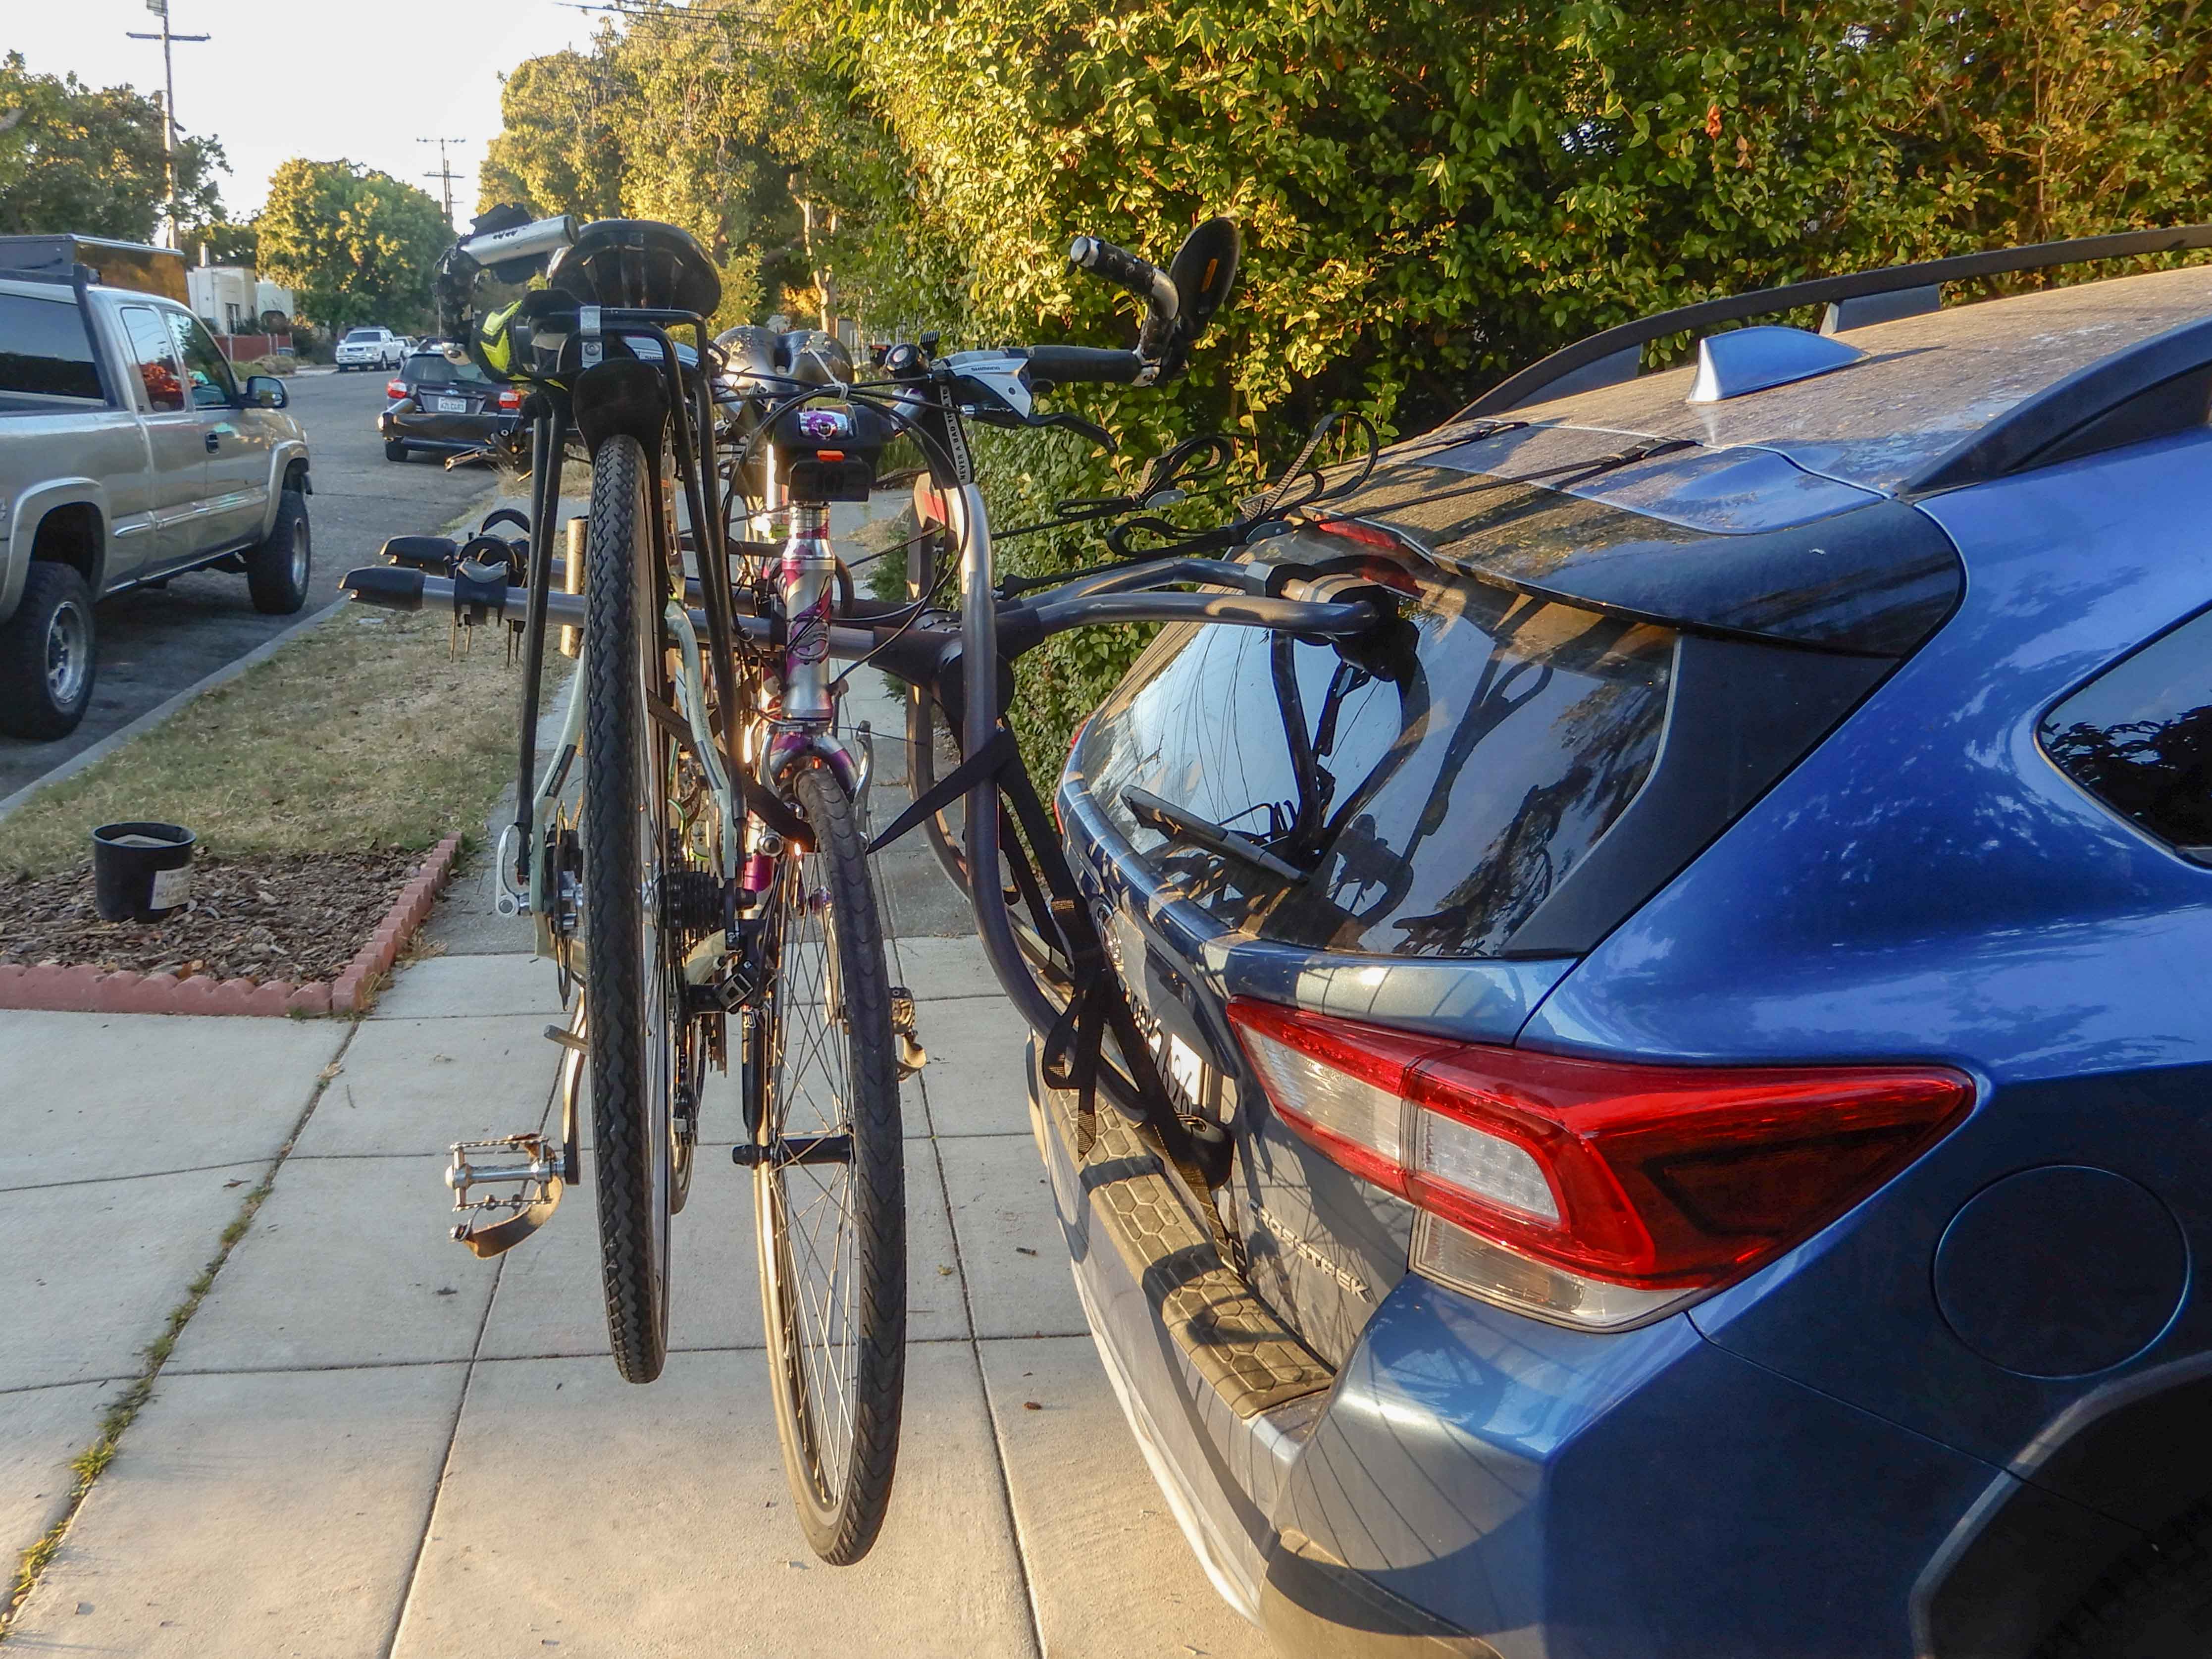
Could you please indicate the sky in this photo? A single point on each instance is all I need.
(311, 77)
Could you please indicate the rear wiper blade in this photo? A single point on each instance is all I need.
(1177, 824)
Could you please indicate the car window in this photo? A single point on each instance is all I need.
(44, 351)
(205, 366)
(2139, 738)
(155, 353)
(365, 334)
(437, 366)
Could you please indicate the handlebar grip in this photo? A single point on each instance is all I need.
(1142, 278)
(394, 589)
(522, 242)
(1066, 365)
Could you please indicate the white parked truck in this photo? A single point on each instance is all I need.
(370, 348)
(129, 454)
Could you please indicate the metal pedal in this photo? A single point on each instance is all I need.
(912, 1056)
(490, 1226)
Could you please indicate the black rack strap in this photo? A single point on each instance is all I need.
(1073, 1053)
(989, 761)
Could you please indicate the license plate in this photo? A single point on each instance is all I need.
(452, 405)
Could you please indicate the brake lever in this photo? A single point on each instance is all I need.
(1099, 436)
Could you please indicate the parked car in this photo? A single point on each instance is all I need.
(1717, 1046)
(370, 348)
(129, 454)
(446, 407)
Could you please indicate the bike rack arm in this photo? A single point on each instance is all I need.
(1330, 619)
(979, 713)
(1221, 573)
(396, 587)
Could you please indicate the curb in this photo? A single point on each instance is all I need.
(85, 758)
(88, 990)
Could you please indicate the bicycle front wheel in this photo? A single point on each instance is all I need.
(629, 970)
(829, 1189)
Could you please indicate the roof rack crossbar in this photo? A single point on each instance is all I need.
(1525, 385)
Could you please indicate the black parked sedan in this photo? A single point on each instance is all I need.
(444, 407)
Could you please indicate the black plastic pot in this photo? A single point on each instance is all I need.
(140, 871)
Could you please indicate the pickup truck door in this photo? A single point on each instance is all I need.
(238, 451)
(176, 444)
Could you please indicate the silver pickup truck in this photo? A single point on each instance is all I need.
(129, 454)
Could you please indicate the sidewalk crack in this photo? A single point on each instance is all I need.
(453, 1430)
(90, 1463)
(990, 1413)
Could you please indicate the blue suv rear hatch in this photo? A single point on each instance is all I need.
(1608, 648)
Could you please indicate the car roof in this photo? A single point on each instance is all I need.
(1927, 383)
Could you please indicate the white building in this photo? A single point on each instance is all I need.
(232, 299)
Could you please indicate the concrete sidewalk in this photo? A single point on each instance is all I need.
(365, 1441)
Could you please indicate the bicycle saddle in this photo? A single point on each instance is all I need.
(639, 264)
(809, 355)
(748, 350)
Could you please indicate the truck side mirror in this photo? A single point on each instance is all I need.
(265, 392)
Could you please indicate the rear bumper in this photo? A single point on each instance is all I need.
(452, 433)
(1473, 1482)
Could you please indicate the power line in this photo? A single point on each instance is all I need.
(444, 173)
(161, 9)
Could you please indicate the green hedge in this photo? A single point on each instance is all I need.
(1431, 193)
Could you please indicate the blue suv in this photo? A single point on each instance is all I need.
(1714, 1015)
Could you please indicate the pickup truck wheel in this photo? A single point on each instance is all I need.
(277, 571)
(47, 661)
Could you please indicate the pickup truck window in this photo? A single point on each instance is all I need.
(157, 357)
(206, 366)
(364, 335)
(44, 351)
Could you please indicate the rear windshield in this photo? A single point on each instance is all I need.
(436, 366)
(1450, 789)
(43, 349)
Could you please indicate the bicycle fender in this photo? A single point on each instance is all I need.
(621, 395)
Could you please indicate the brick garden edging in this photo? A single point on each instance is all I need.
(91, 991)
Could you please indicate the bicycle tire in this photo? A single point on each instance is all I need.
(632, 1046)
(828, 1021)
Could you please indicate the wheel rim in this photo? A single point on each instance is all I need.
(69, 653)
(807, 1235)
(299, 555)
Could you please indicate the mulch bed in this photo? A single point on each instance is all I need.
(272, 917)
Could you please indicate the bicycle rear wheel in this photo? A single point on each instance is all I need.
(829, 1193)
(630, 974)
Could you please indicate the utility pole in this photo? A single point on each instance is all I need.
(445, 172)
(161, 9)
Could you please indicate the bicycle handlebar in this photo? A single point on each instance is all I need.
(1142, 278)
(1066, 365)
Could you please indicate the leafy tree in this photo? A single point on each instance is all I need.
(560, 149)
(76, 159)
(229, 243)
(354, 245)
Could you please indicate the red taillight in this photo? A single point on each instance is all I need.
(1367, 535)
(1074, 738)
(395, 388)
(510, 399)
(1574, 1175)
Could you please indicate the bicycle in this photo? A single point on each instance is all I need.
(717, 867)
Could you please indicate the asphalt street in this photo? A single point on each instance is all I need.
(154, 641)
